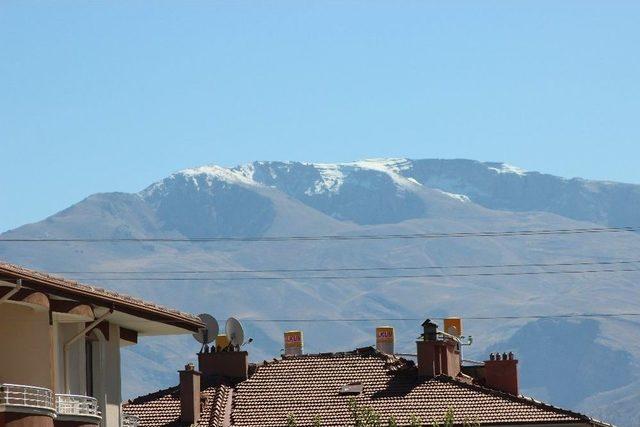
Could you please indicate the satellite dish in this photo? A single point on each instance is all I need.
(209, 333)
(234, 331)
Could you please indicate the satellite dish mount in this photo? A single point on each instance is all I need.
(207, 334)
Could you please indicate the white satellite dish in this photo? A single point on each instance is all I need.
(234, 332)
(209, 333)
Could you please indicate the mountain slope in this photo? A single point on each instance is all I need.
(380, 196)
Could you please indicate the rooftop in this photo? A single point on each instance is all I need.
(127, 307)
(309, 386)
(162, 408)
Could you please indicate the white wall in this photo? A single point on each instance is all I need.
(63, 332)
(113, 380)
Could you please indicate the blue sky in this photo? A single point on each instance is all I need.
(111, 95)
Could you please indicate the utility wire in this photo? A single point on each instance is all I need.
(328, 277)
(329, 237)
(418, 319)
(347, 269)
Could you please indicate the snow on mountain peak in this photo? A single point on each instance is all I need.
(210, 173)
(333, 174)
(459, 197)
(237, 175)
(505, 168)
(395, 164)
(391, 167)
(331, 179)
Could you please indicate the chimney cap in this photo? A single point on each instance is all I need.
(428, 322)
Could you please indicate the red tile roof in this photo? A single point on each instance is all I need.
(308, 386)
(68, 288)
(162, 408)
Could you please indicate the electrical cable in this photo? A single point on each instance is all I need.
(327, 237)
(319, 270)
(368, 277)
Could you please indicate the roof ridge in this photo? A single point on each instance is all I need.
(207, 382)
(521, 399)
(158, 393)
(368, 351)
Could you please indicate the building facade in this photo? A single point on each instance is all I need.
(60, 344)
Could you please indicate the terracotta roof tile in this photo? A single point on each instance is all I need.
(308, 386)
(162, 408)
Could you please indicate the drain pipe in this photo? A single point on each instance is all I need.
(12, 292)
(73, 339)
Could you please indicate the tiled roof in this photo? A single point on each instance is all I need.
(54, 283)
(308, 386)
(162, 408)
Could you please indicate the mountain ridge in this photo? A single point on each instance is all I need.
(376, 196)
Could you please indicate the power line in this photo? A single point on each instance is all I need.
(327, 277)
(418, 319)
(539, 232)
(348, 269)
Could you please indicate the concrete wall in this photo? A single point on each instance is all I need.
(33, 354)
(26, 356)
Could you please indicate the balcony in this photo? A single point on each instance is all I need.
(76, 405)
(26, 399)
(129, 420)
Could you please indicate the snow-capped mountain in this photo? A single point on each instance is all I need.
(378, 191)
(376, 196)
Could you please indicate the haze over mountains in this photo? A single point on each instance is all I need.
(584, 364)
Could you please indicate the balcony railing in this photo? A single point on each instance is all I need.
(26, 396)
(129, 420)
(76, 405)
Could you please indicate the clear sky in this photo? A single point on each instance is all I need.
(111, 95)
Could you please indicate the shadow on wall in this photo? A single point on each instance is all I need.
(561, 362)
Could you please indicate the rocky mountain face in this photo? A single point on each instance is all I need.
(584, 364)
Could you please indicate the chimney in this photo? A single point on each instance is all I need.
(385, 339)
(501, 373)
(230, 364)
(437, 356)
(189, 395)
(293, 343)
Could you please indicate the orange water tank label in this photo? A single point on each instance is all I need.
(384, 334)
(453, 326)
(293, 339)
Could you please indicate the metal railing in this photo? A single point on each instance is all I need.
(73, 404)
(26, 396)
(129, 420)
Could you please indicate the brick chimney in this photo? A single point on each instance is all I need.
(501, 373)
(231, 364)
(189, 395)
(437, 356)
